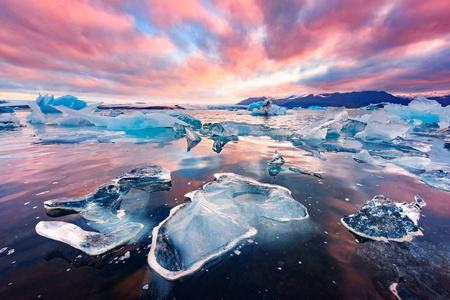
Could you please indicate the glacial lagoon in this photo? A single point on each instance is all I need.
(272, 231)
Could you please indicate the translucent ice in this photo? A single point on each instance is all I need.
(103, 207)
(438, 179)
(90, 242)
(9, 121)
(36, 116)
(219, 216)
(332, 123)
(216, 129)
(195, 123)
(420, 108)
(192, 138)
(47, 103)
(364, 157)
(382, 219)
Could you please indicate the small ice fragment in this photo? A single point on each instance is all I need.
(277, 159)
(237, 252)
(10, 284)
(56, 182)
(42, 193)
(68, 270)
(359, 184)
(280, 268)
(250, 241)
(297, 170)
(145, 287)
(10, 251)
(299, 262)
(3, 250)
(125, 256)
(189, 183)
(347, 199)
(26, 203)
(318, 174)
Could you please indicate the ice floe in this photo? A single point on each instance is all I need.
(103, 207)
(217, 218)
(382, 219)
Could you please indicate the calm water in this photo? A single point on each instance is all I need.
(313, 259)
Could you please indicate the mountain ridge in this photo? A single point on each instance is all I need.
(350, 99)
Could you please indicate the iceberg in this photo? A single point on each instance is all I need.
(47, 103)
(218, 218)
(364, 157)
(382, 219)
(438, 179)
(90, 242)
(420, 108)
(9, 122)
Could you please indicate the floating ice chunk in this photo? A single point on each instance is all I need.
(378, 131)
(215, 221)
(382, 219)
(139, 120)
(364, 157)
(216, 129)
(71, 138)
(36, 116)
(277, 159)
(438, 179)
(349, 145)
(188, 119)
(75, 120)
(102, 204)
(47, 103)
(420, 108)
(332, 123)
(411, 163)
(90, 242)
(297, 170)
(149, 178)
(444, 117)
(266, 108)
(9, 122)
(4, 110)
(220, 142)
(192, 139)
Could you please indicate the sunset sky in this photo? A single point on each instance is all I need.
(217, 51)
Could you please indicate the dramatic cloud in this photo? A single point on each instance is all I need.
(212, 50)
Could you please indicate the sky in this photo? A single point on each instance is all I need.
(221, 51)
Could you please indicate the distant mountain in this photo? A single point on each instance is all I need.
(353, 99)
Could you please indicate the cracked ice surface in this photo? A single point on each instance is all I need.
(103, 207)
(382, 219)
(219, 217)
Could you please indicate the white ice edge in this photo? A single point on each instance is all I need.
(174, 275)
(73, 236)
(253, 181)
(407, 238)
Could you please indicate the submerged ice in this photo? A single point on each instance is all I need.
(382, 219)
(103, 207)
(217, 218)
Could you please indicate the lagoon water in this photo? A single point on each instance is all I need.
(316, 258)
